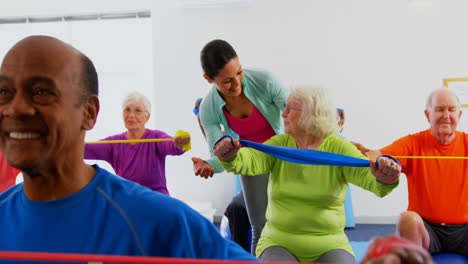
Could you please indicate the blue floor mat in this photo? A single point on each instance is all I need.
(450, 259)
(365, 232)
(359, 248)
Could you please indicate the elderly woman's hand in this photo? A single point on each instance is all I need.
(181, 141)
(225, 150)
(388, 171)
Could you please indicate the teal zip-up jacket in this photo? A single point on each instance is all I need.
(262, 88)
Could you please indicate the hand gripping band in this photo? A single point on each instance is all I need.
(306, 156)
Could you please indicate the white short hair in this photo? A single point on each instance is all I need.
(135, 97)
(431, 96)
(318, 116)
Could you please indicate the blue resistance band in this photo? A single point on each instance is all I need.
(307, 156)
(196, 109)
(342, 111)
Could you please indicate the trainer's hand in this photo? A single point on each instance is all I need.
(388, 171)
(202, 168)
(225, 150)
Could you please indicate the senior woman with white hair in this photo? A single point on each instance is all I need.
(143, 163)
(305, 214)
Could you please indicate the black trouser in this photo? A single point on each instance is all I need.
(238, 221)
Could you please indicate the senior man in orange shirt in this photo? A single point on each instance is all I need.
(437, 216)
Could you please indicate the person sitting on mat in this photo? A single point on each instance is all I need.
(48, 100)
(143, 163)
(437, 215)
(247, 103)
(305, 214)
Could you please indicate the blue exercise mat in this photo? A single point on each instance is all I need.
(448, 258)
(306, 156)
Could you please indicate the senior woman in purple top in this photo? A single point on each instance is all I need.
(143, 163)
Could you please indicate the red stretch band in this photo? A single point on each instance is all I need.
(386, 245)
(65, 257)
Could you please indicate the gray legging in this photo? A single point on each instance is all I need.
(254, 189)
(277, 253)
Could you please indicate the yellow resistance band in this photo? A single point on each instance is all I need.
(178, 134)
(130, 141)
(425, 157)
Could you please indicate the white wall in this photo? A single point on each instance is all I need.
(378, 58)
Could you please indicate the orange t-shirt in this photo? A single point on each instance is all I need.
(437, 188)
(7, 174)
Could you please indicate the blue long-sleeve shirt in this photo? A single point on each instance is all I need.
(111, 216)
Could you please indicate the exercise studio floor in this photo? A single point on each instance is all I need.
(360, 236)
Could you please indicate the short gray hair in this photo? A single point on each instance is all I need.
(135, 97)
(431, 96)
(318, 116)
